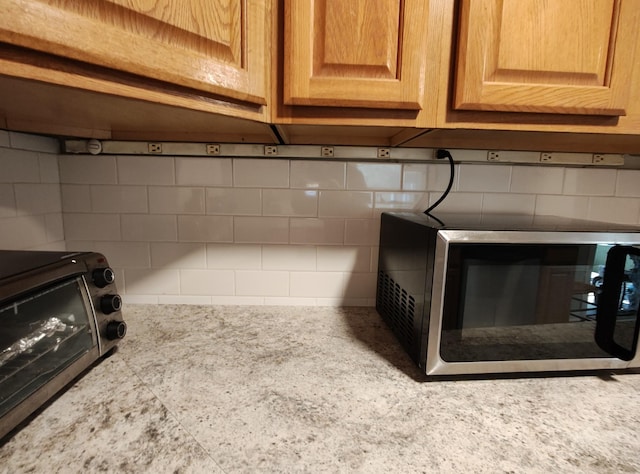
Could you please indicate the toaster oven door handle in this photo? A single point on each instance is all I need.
(609, 301)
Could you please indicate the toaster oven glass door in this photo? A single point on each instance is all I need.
(538, 302)
(42, 334)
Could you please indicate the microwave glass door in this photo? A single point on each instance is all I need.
(537, 302)
(40, 335)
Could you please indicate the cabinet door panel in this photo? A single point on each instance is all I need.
(217, 46)
(356, 53)
(557, 56)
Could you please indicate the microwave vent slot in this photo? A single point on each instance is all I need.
(397, 308)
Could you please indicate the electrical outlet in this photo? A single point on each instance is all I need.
(326, 151)
(384, 153)
(546, 157)
(155, 147)
(270, 150)
(493, 156)
(213, 149)
(608, 159)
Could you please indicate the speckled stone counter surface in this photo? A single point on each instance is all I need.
(284, 389)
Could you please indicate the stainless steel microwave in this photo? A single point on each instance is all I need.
(59, 313)
(487, 294)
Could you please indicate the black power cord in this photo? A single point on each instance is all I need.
(440, 154)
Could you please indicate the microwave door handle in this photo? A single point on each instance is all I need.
(607, 311)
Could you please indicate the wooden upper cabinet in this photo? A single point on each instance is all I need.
(355, 53)
(552, 56)
(217, 46)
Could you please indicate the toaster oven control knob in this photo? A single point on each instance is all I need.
(116, 330)
(110, 303)
(102, 277)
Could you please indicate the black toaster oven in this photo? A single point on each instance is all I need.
(59, 313)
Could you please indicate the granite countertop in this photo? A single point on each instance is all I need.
(286, 389)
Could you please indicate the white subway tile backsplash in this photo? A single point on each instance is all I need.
(37, 198)
(361, 285)
(146, 170)
(205, 228)
(19, 166)
(317, 284)
(399, 200)
(337, 302)
(207, 282)
(619, 210)
(140, 299)
(318, 174)
(289, 257)
(204, 171)
(290, 301)
(589, 182)
(237, 300)
(375, 250)
(362, 231)
(470, 203)
(119, 199)
(537, 179)
(502, 203)
(54, 246)
(220, 230)
(234, 256)
(7, 201)
(355, 204)
(484, 178)
(575, 207)
(268, 230)
(234, 201)
(149, 228)
(439, 175)
(26, 232)
(176, 200)
(76, 197)
(49, 171)
(89, 226)
(290, 202)
(87, 169)
(363, 176)
(147, 281)
(343, 259)
(178, 255)
(261, 173)
(415, 177)
(317, 231)
(628, 183)
(124, 254)
(262, 283)
(82, 245)
(54, 230)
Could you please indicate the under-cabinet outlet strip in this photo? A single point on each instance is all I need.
(330, 152)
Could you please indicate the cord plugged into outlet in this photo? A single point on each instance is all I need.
(441, 154)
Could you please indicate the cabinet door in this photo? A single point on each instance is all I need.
(355, 53)
(217, 46)
(556, 56)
